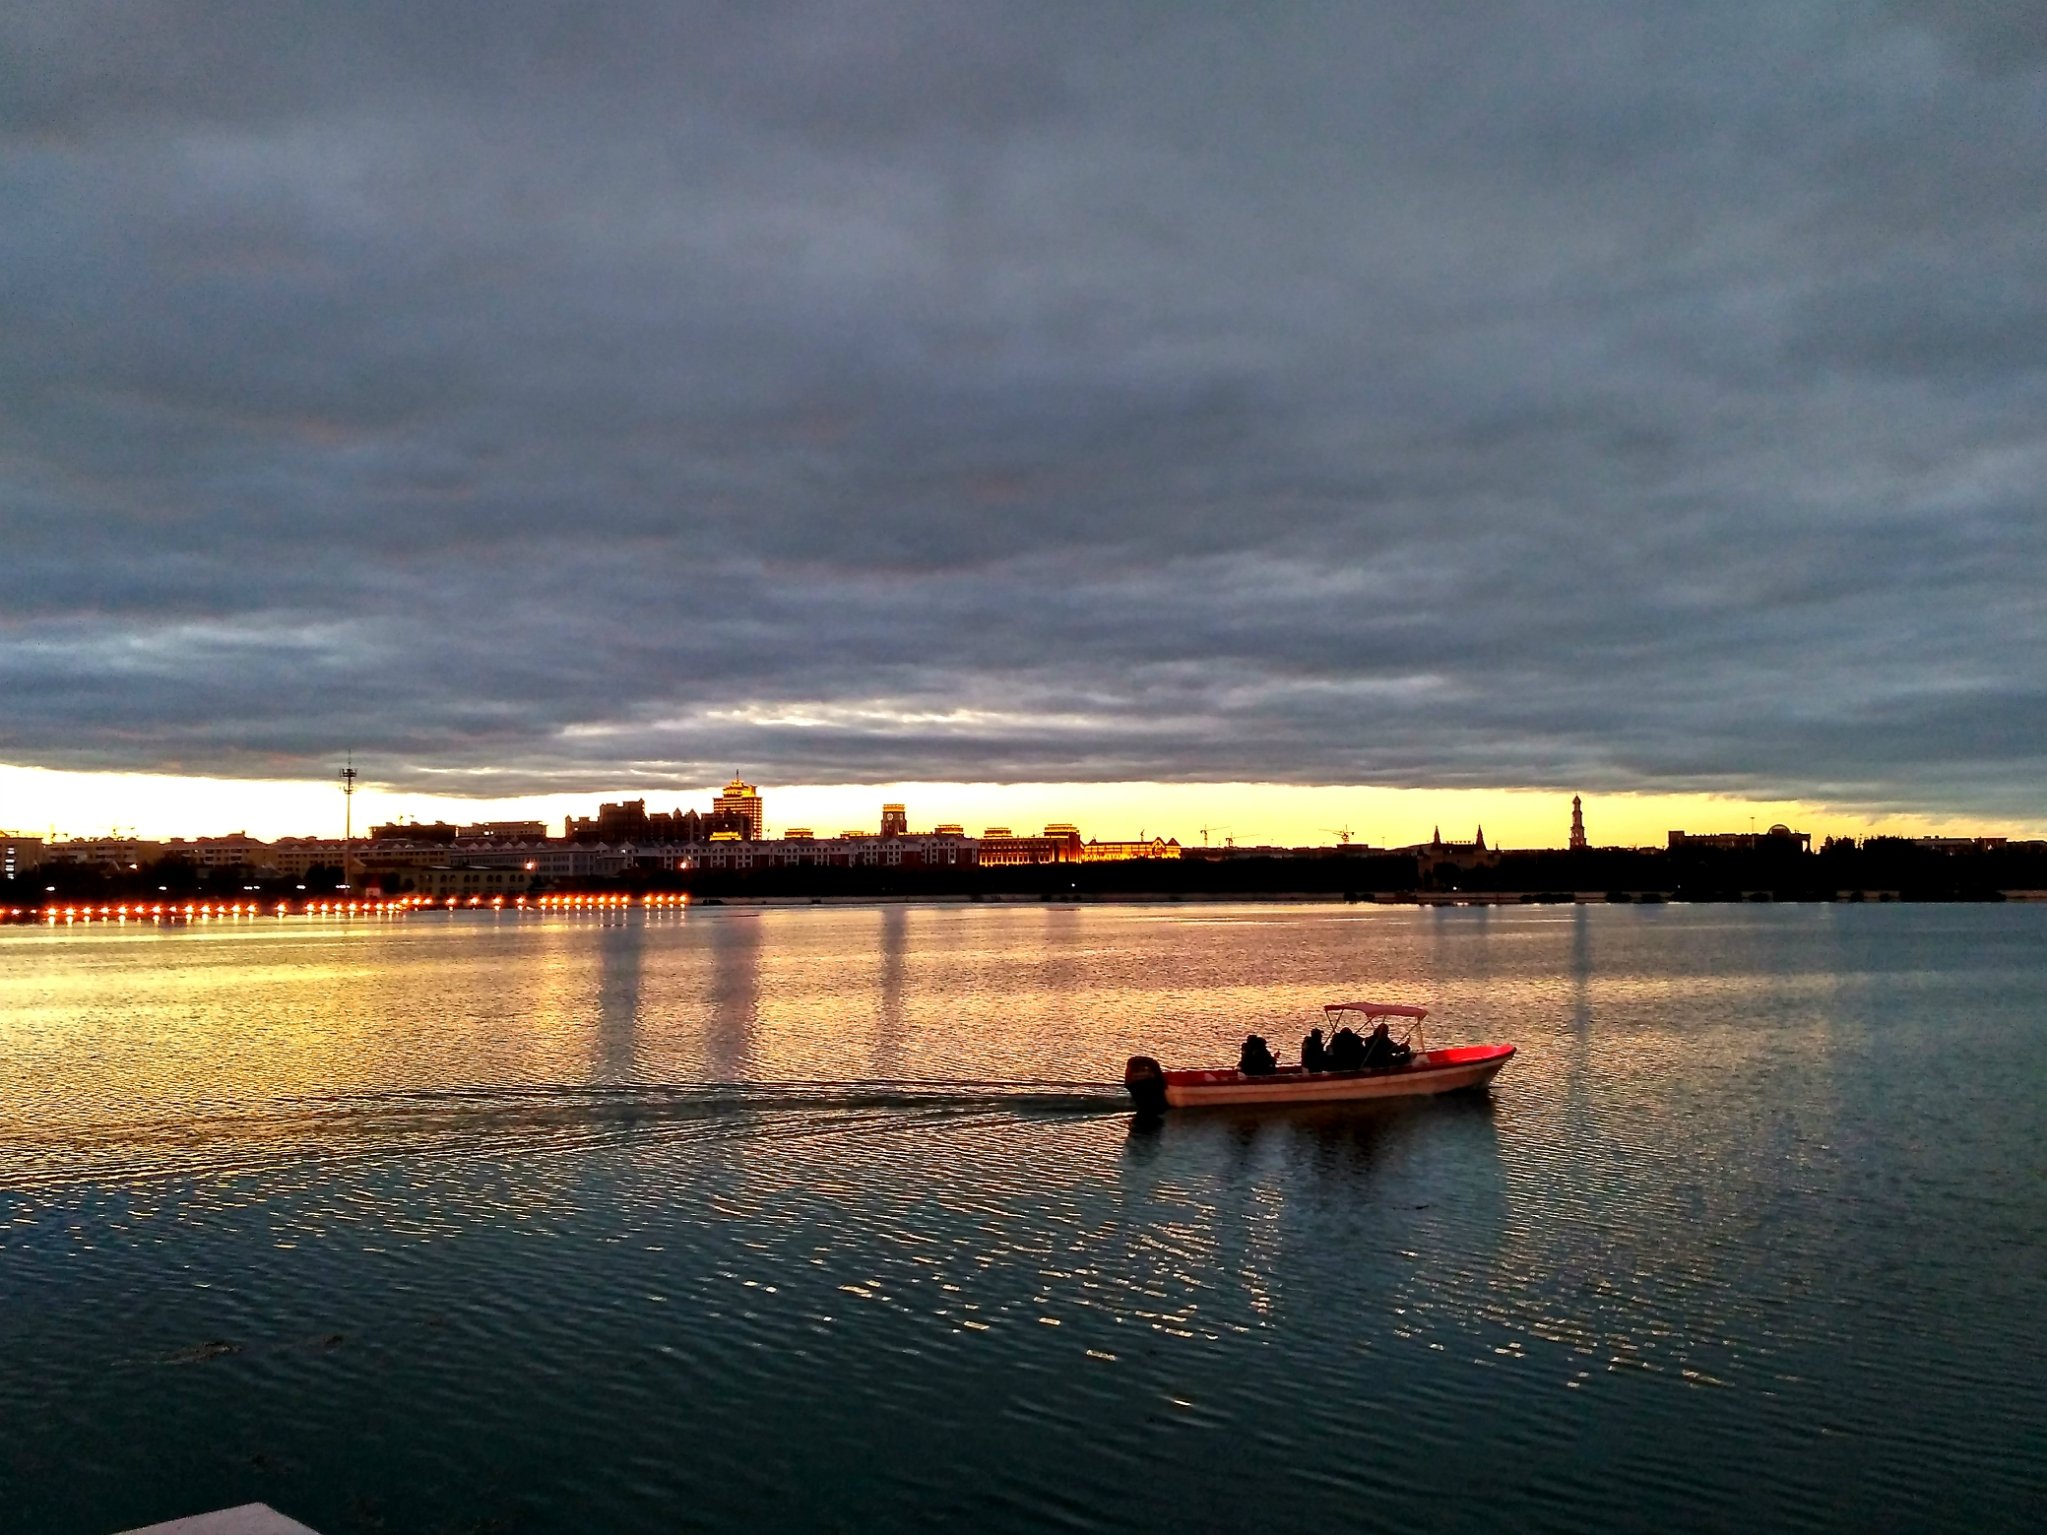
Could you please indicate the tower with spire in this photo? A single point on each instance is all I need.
(1577, 825)
(1439, 854)
(1437, 846)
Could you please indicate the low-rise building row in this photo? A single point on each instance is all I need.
(407, 849)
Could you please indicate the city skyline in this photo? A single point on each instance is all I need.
(1248, 814)
(998, 397)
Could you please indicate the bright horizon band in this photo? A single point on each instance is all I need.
(41, 802)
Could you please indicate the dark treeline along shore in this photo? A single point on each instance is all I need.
(1875, 869)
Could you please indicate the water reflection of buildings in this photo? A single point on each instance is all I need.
(620, 954)
(1581, 971)
(889, 1030)
(731, 1036)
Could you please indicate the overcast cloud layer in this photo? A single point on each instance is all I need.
(1631, 396)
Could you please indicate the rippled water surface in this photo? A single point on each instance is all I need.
(834, 1219)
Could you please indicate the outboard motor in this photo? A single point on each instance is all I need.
(1147, 1084)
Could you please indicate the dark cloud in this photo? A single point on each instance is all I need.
(1643, 396)
(1996, 36)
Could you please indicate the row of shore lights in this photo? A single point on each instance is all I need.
(655, 899)
(397, 906)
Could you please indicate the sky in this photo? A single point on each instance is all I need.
(1405, 409)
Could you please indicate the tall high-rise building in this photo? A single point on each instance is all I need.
(1577, 825)
(895, 821)
(741, 799)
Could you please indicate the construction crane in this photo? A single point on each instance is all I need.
(1340, 833)
(1207, 829)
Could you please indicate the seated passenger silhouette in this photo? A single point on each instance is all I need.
(1346, 1051)
(1256, 1059)
(1314, 1054)
(1381, 1051)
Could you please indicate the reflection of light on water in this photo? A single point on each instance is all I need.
(741, 1158)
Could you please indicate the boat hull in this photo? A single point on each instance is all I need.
(1436, 1071)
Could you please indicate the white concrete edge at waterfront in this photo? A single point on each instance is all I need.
(249, 1519)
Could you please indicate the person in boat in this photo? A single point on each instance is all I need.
(1256, 1058)
(1314, 1054)
(1346, 1051)
(1382, 1051)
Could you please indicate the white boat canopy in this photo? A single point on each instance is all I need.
(1377, 1009)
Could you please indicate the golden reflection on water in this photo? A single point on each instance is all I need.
(180, 1037)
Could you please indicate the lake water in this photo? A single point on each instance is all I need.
(820, 1218)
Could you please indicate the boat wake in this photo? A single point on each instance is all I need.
(493, 1121)
(823, 1096)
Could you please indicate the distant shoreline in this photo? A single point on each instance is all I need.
(1406, 898)
(617, 905)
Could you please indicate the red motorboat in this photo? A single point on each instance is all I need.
(1422, 1072)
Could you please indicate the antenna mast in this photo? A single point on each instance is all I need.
(348, 824)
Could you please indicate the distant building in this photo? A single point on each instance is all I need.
(1961, 844)
(1060, 843)
(1436, 847)
(895, 821)
(1113, 852)
(105, 852)
(439, 882)
(540, 859)
(1233, 849)
(503, 831)
(413, 831)
(628, 821)
(297, 855)
(1780, 838)
(20, 854)
(626, 818)
(1577, 825)
(550, 860)
(237, 850)
(1476, 845)
(743, 800)
(859, 849)
(1437, 853)
(623, 821)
